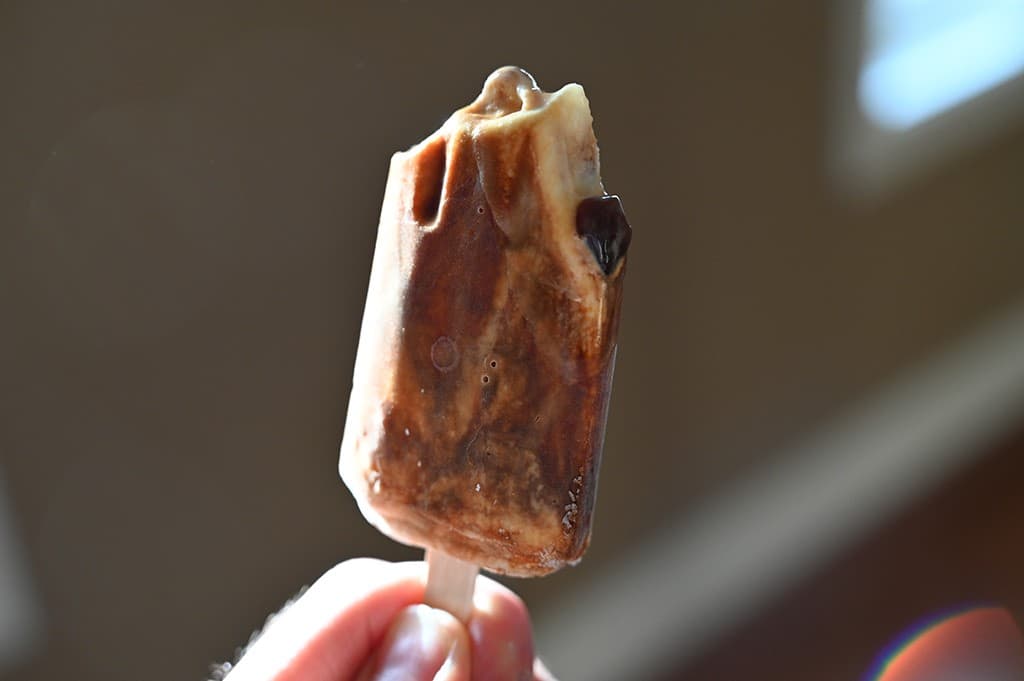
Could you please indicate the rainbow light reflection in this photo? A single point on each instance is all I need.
(968, 644)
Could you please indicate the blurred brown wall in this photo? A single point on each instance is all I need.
(188, 202)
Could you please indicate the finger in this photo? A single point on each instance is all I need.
(423, 644)
(328, 633)
(500, 634)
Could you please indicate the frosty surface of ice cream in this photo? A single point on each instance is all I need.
(482, 379)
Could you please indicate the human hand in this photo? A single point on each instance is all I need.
(365, 620)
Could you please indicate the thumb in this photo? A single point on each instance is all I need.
(422, 644)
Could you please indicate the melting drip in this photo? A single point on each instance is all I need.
(602, 224)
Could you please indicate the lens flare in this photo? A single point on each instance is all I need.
(969, 644)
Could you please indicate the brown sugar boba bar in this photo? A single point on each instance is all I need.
(484, 368)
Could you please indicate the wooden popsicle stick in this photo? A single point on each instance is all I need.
(450, 584)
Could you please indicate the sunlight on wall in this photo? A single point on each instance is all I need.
(20, 615)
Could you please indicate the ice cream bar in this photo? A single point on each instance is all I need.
(484, 367)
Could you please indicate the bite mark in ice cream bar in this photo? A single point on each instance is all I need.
(481, 385)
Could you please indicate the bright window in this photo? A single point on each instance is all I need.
(923, 57)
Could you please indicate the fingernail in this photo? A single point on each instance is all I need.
(423, 643)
